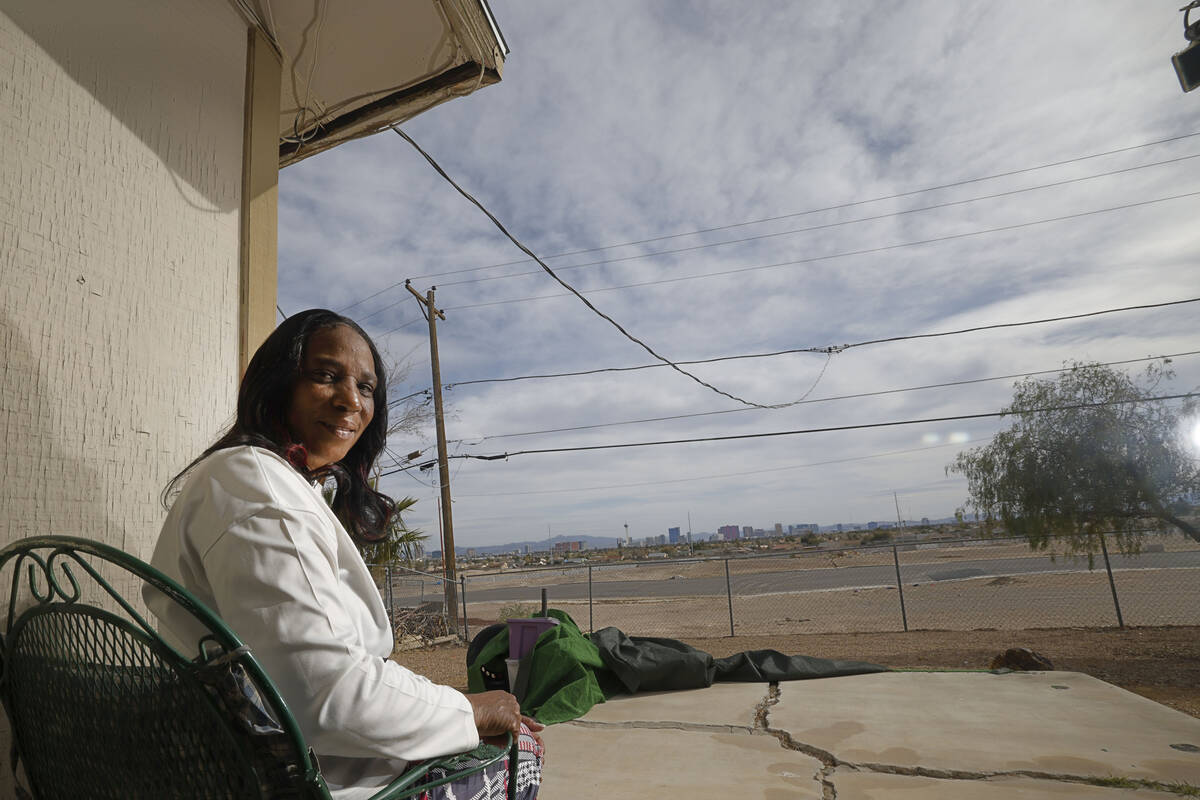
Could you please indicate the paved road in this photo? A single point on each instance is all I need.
(848, 577)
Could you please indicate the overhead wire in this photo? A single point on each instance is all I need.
(828, 429)
(437, 167)
(831, 256)
(807, 260)
(828, 348)
(397, 461)
(835, 207)
(824, 226)
(835, 398)
(641, 484)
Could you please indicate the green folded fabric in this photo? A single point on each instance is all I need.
(566, 675)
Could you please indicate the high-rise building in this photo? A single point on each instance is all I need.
(747, 531)
(728, 532)
(673, 535)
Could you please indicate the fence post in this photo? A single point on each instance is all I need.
(462, 592)
(900, 586)
(591, 620)
(391, 603)
(1111, 584)
(729, 594)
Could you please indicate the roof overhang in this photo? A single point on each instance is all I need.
(351, 69)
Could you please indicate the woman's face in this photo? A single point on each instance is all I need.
(334, 397)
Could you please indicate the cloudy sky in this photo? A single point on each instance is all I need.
(742, 178)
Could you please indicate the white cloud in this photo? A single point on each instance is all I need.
(631, 121)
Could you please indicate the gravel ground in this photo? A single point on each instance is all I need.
(1161, 663)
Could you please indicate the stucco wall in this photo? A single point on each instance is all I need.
(120, 176)
(120, 180)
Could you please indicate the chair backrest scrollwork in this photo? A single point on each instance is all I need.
(102, 706)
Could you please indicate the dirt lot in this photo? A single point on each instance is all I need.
(1161, 663)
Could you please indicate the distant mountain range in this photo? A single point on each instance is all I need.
(604, 542)
(590, 542)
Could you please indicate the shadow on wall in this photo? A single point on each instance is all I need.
(140, 60)
(48, 487)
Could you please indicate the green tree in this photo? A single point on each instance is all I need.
(1086, 454)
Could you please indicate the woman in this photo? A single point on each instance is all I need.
(250, 535)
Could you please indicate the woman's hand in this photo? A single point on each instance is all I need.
(496, 713)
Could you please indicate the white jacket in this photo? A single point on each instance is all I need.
(256, 543)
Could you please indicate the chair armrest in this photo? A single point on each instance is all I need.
(456, 766)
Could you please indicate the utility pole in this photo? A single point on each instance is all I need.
(689, 533)
(449, 579)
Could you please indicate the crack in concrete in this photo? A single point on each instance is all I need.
(828, 787)
(824, 775)
(831, 763)
(665, 725)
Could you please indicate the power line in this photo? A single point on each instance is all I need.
(808, 229)
(835, 398)
(437, 167)
(399, 400)
(830, 429)
(400, 327)
(830, 348)
(844, 254)
(850, 204)
(396, 461)
(641, 484)
(794, 231)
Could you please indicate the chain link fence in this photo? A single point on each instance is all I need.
(949, 585)
(415, 604)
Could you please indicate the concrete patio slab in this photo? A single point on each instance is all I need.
(590, 763)
(966, 724)
(722, 704)
(929, 735)
(881, 786)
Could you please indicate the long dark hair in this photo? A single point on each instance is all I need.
(262, 407)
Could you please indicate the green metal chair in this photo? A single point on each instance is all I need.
(101, 706)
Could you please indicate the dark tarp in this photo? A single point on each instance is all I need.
(568, 672)
(651, 664)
